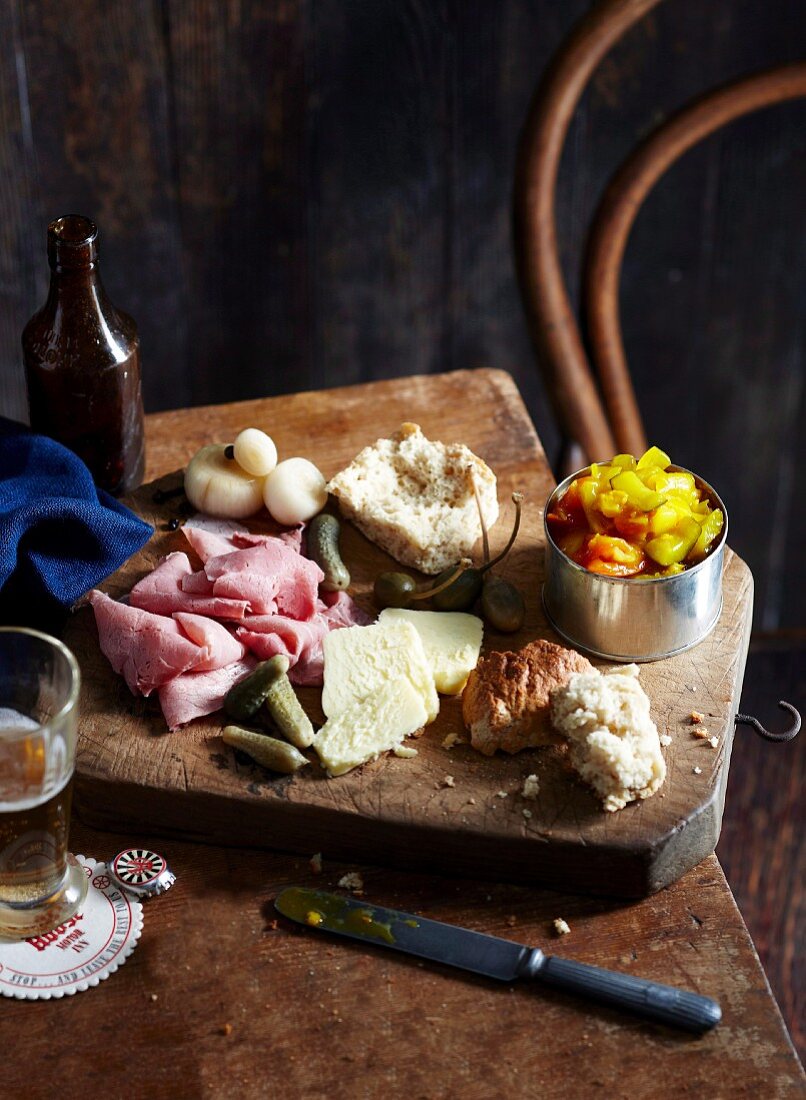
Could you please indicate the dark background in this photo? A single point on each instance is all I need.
(295, 194)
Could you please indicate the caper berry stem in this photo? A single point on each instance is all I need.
(484, 536)
(517, 499)
(427, 593)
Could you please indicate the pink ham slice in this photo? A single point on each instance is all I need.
(252, 573)
(301, 642)
(340, 609)
(220, 646)
(212, 541)
(196, 694)
(161, 592)
(267, 635)
(292, 538)
(207, 544)
(147, 650)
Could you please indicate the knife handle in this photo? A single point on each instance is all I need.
(661, 1003)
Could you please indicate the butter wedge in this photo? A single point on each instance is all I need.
(451, 640)
(361, 659)
(370, 726)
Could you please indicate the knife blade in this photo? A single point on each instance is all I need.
(493, 957)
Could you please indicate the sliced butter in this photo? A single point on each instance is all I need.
(451, 640)
(361, 659)
(370, 726)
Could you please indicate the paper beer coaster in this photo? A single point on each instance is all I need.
(82, 951)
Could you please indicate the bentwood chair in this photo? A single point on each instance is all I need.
(611, 422)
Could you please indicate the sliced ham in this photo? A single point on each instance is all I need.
(292, 537)
(296, 578)
(219, 645)
(340, 609)
(161, 593)
(195, 694)
(258, 589)
(147, 650)
(301, 642)
(268, 635)
(207, 544)
(214, 538)
(196, 584)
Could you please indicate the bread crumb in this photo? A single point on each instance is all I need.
(665, 740)
(272, 926)
(531, 787)
(352, 881)
(405, 752)
(512, 921)
(451, 740)
(226, 1029)
(471, 802)
(526, 813)
(315, 863)
(154, 996)
(701, 733)
(561, 927)
(713, 742)
(697, 770)
(447, 781)
(696, 718)
(501, 794)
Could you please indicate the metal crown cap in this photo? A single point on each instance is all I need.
(141, 872)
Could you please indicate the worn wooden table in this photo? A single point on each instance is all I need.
(222, 999)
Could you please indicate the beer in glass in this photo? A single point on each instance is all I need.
(41, 884)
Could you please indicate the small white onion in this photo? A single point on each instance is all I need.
(218, 486)
(294, 491)
(255, 452)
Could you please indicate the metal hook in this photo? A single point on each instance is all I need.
(787, 735)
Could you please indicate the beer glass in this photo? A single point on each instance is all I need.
(41, 884)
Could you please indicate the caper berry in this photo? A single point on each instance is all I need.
(502, 605)
(462, 593)
(393, 589)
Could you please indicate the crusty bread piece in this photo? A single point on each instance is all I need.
(614, 744)
(506, 702)
(414, 498)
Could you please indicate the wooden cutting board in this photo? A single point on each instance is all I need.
(134, 777)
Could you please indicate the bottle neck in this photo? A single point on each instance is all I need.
(72, 245)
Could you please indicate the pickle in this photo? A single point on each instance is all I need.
(246, 698)
(674, 546)
(635, 518)
(323, 548)
(287, 713)
(277, 756)
(638, 495)
(654, 457)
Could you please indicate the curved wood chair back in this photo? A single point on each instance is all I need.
(602, 427)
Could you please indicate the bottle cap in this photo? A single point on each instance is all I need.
(141, 872)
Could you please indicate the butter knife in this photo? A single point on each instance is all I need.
(495, 958)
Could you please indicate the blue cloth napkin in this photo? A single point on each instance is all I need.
(59, 535)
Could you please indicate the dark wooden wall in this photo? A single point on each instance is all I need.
(295, 194)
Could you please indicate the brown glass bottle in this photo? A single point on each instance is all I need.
(82, 363)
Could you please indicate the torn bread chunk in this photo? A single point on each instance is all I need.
(613, 742)
(378, 723)
(505, 704)
(415, 498)
(361, 659)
